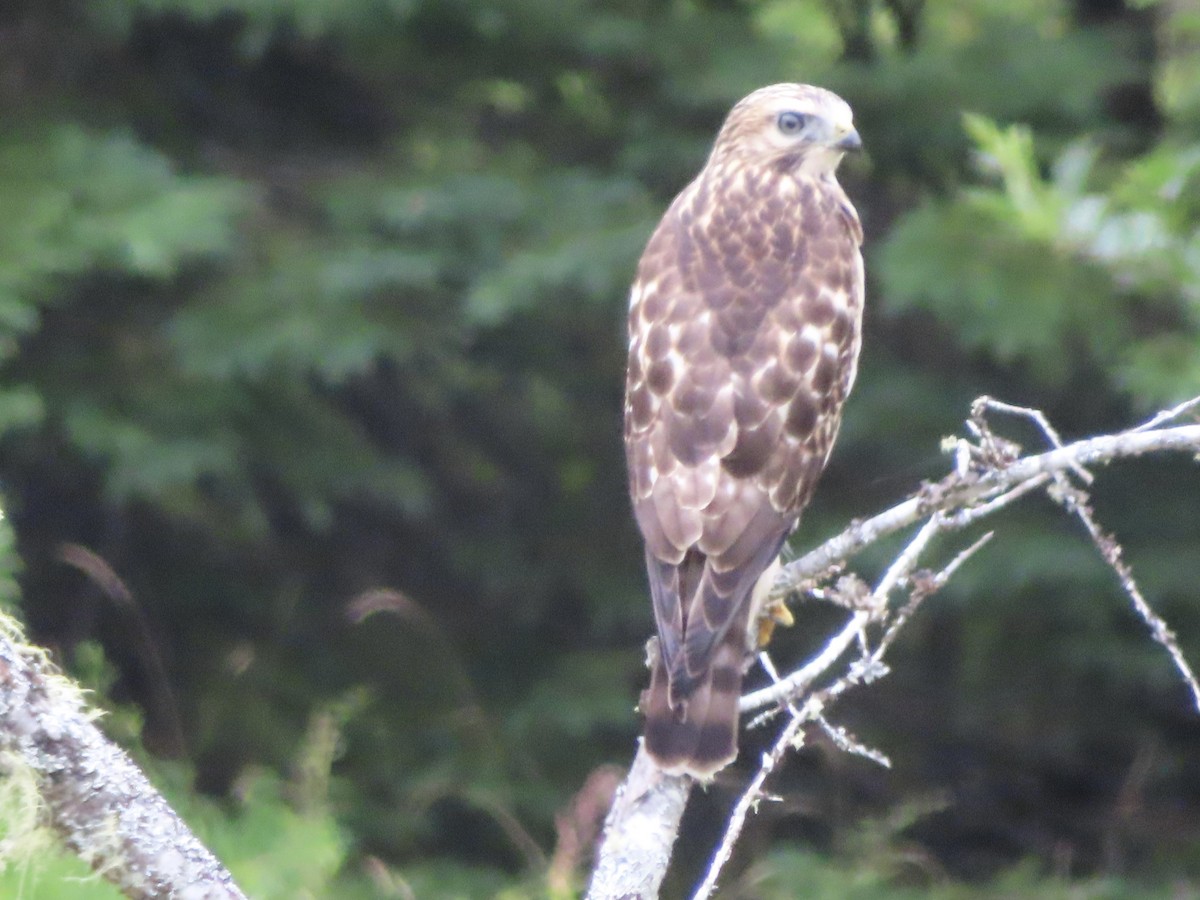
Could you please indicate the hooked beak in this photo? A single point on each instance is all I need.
(848, 142)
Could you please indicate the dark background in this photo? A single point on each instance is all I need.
(311, 325)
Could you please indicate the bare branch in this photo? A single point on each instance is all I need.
(987, 476)
(1110, 550)
(963, 517)
(899, 571)
(848, 743)
(802, 679)
(982, 404)
(791, 736)
(956, 492)
(95, 797)
(784, 690)
(639, 832)
(926, 589)
(874, 609)
(1168, 415)
(578, 826)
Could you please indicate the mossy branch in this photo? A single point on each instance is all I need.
(92, 793)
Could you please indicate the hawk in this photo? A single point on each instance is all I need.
(744, 332)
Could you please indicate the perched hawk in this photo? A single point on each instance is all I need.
(744, 329)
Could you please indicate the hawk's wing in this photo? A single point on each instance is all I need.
(740, 358)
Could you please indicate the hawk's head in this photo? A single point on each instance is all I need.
(792, 126)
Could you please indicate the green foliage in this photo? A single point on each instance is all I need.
(1037, 265)
(83, 202)
(273, 850)
(779, 874)
(10, 567)
(1004, 282)
(1025, 66)
(1177, 85)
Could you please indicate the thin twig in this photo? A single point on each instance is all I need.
(1110, 550)
(768, 664)
(800, 680)
(791, 736)
(956, 492)
(897, 574)
(1168, 414)
(926, 590)
(969, 515)
(900, 570)
(784, 690)
(848, 743)
(1034, 415)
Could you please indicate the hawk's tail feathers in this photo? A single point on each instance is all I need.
(697, 735)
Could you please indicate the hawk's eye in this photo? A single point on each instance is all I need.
(791, 123)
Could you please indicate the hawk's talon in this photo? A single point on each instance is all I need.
(775, 613)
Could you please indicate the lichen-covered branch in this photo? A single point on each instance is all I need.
(93, 794)
(639, 832)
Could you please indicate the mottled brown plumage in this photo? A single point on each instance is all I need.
(744, 328)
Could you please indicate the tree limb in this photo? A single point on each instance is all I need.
(639, 832)
(989, 474)
(960, 490)
(95, 797)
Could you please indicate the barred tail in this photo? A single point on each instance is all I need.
(697, 735)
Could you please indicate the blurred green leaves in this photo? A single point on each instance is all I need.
(1084, 265)
(82, 201)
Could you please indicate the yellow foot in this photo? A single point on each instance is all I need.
(774, 614)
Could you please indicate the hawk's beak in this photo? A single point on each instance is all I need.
(848, 141)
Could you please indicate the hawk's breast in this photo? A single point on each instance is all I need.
(744, 334)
